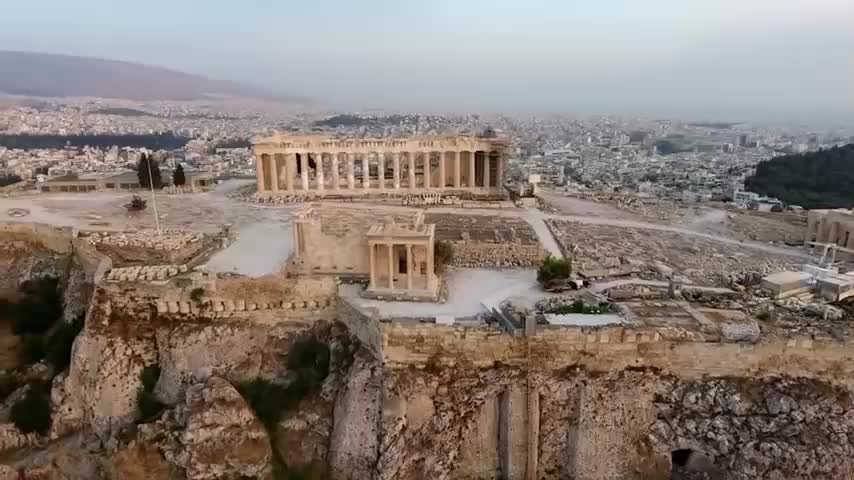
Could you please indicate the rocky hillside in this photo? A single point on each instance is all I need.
(263, 392)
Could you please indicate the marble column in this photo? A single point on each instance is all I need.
(381, 170)
(834, 233)
(304, 166)
(499, 171)
(351, 166)
(409, 266)
(396, 173)
(472, 183)
(274, 173)
(485, 169)
(391, 266)
(290, 171)
(259, 172)
(366, 171)
(456, 169)
(411, 170)
(427, 179)
(335, 185)
(442, 156)
(372, 268)
(319, 180)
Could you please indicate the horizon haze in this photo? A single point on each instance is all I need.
(724, 59)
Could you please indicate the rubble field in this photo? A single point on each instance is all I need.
(482, 228)
(660, 255)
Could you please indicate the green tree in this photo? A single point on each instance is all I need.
(178, 178)
(147, 164)
(554, 268)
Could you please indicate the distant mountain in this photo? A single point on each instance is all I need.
(49, 75)
(822, 179)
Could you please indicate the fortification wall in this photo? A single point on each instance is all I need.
(269, 299)
(615, 348)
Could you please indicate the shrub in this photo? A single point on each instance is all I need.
(196, 294)
(57, 347)
(579, 306)
(554, 268)
(267, 399)
(148, 406)
(443, 254)
(32, 412)
(136, 204)
(309, 361)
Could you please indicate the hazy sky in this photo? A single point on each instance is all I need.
(709, 58)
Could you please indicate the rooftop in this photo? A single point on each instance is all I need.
(401, 230)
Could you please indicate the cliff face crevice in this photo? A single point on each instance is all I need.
(788, 428)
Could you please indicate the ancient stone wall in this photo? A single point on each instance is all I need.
(267, 300)
(475, 254)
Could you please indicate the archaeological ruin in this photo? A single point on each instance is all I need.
(363, 357)
(320, 166)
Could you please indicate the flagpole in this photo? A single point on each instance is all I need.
(153, 199)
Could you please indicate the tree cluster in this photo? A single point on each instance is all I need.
(148, 172)
(554, 268)
(178, 177)
(821, 179)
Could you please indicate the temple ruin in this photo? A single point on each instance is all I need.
(319, 165)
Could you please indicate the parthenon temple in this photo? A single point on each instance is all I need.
(322, 165)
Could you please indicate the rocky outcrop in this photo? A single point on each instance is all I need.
(141, 461)
(760, 429)
(355, 434)
(223, 438)
(238, 351)
(11, 438)
(103, 381)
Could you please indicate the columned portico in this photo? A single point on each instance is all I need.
(317, 160)
(401, 261)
